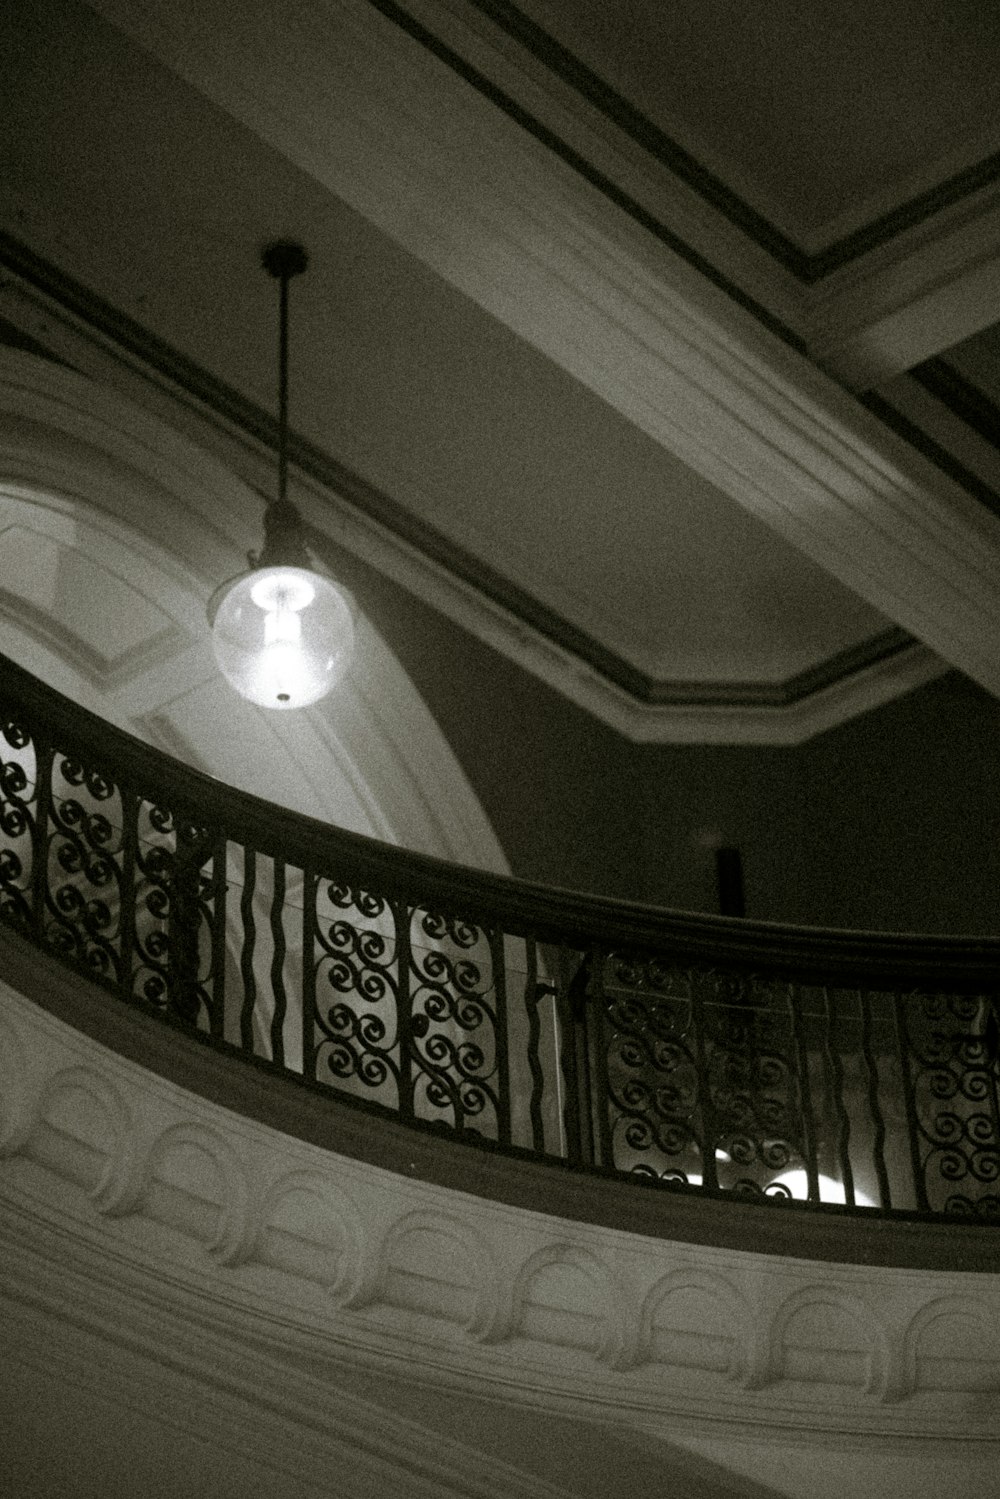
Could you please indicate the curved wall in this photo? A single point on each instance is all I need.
(113, 533)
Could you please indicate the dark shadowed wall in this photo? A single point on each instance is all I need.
(887, 822)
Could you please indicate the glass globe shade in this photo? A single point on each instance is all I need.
(282, 635)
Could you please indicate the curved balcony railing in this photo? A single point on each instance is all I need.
(711, 1054)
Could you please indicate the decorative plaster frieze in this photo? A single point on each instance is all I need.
(331, 1253)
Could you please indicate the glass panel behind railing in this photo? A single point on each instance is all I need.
(708, 1055)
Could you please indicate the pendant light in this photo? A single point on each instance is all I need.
(282, 633)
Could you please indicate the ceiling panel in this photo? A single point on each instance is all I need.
(821, 114)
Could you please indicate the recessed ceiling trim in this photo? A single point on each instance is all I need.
(934, 451)
(615, 109)
(808, 267)
(963, 399)
(573, 158)
(842, 304)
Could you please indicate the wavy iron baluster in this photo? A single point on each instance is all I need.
(534, 993)
(220, 892)
(278, 964)
(45, 759)
(247, 949)
(874, 1105)
(835, 1067)
(709, 1120)
(909, 1098)
(794, 1000)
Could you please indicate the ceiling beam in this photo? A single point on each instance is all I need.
(381, 121)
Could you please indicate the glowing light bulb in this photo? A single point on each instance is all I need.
(282, 636)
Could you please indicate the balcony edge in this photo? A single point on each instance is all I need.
(833, 1234)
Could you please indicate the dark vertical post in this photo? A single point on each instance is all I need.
(835, 1067)
(310, 889)
(185, 921)
(501, 1035)
(247, 946)
(279, 947)
(595, 1034)
(402, 916)
(534, 992)
(217, 1014)
(44, 761)
(568, 1054)
(729, 882)
(126, 910)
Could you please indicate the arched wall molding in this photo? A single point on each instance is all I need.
(84, 471)
(293, 1245)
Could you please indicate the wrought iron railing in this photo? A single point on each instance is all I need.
(710, 1054)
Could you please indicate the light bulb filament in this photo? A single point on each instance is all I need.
(282, 626)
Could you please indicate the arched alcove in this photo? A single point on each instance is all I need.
(114, 531)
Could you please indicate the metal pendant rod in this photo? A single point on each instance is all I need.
(283, 260)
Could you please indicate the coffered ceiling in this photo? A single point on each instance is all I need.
(544, 461)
